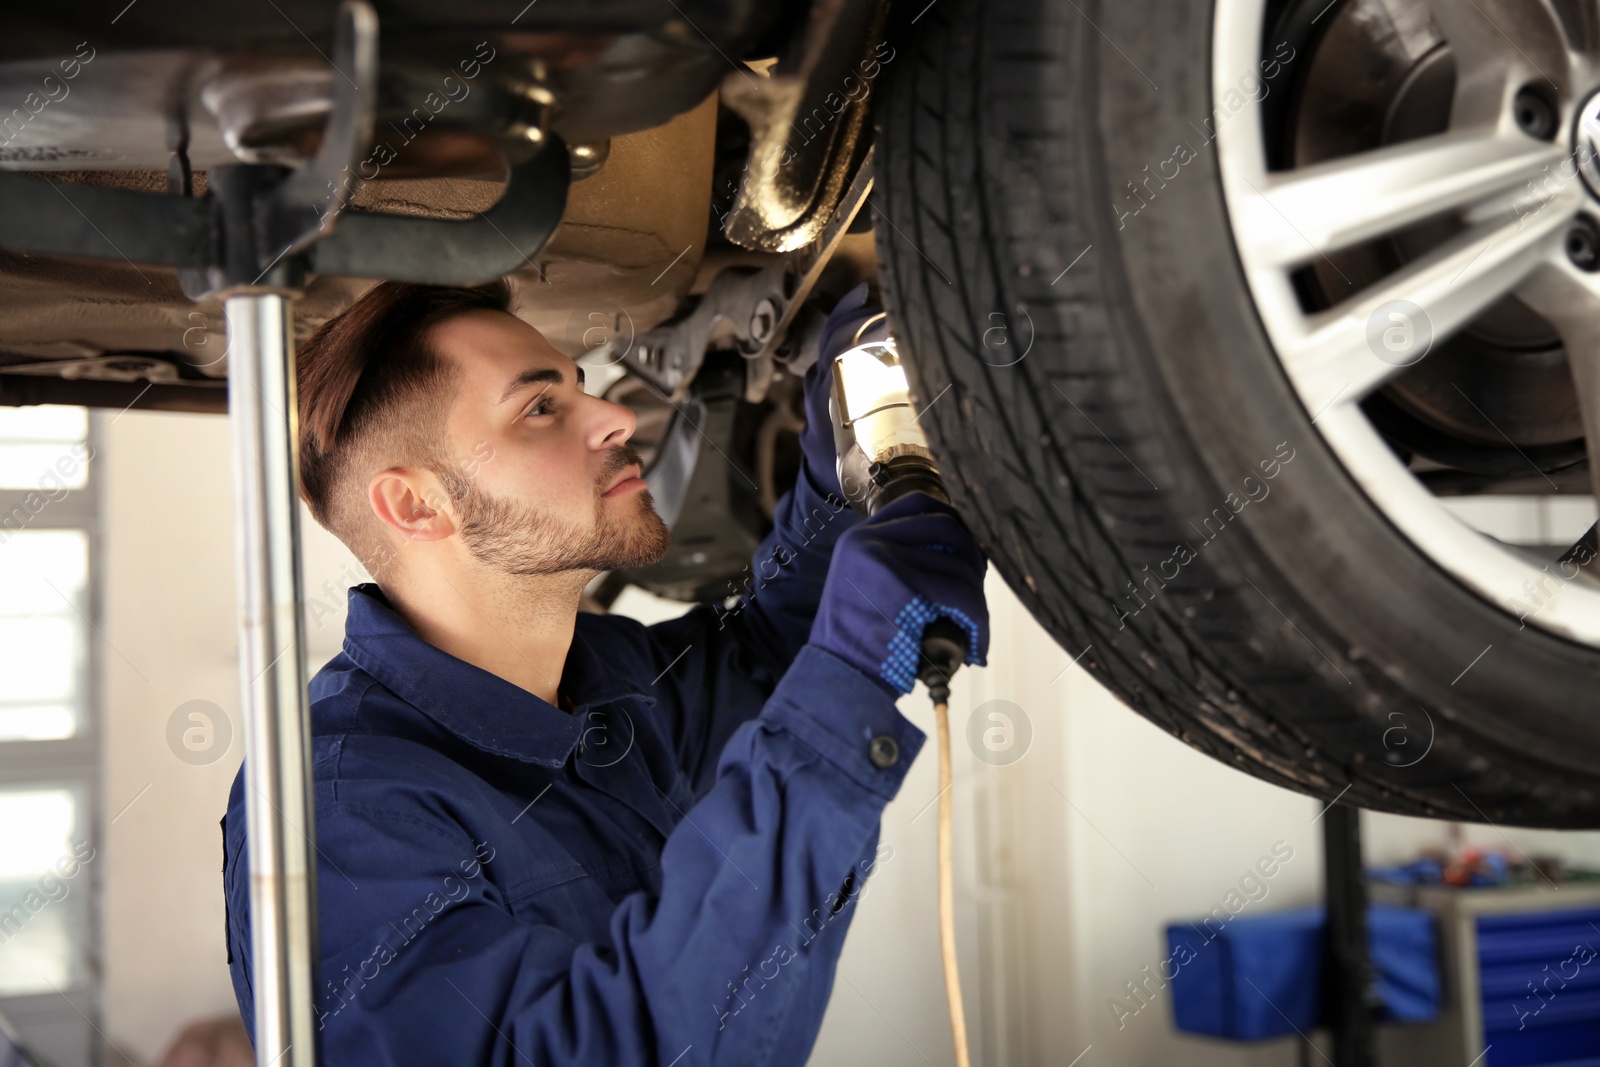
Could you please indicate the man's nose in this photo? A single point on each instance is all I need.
(613, 424)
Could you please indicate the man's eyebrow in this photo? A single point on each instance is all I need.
(535, 376)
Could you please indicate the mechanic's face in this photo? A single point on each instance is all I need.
(537, 454)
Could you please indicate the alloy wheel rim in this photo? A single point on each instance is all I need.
(1517, 198)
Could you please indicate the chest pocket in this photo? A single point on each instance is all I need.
(580, 861)
(582, 904)
(599, 830)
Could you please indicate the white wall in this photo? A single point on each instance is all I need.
(1069, 861)
(169, 623)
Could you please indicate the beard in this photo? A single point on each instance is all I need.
(521, 539)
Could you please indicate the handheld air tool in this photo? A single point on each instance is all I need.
(883, 455)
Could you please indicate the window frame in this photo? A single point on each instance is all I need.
(71, 1018)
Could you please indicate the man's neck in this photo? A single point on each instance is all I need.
(515, 627)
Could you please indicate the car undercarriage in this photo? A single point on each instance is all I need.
(1131, 322)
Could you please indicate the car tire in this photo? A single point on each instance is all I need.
(1123, 441)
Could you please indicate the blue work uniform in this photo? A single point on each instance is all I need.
(660, 872)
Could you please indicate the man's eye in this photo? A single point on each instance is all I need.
(542, 406)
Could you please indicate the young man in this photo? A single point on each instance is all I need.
(551, 837)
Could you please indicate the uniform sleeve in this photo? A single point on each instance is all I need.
(719, 665)
(770, 853)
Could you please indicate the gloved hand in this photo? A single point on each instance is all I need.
(821, 459)
(890, 576)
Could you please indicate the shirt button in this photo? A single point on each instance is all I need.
(884, 751)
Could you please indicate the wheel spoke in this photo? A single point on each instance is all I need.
(1570, 299)
(1346, 352)
(1314, 211)
(1500, 45)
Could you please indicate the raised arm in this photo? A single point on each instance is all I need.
(720, 663)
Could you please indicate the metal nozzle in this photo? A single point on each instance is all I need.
(883, 453)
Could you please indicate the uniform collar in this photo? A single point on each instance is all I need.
(477, 706)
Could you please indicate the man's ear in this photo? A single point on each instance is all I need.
(412, 503)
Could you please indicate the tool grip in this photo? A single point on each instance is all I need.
(944, 649)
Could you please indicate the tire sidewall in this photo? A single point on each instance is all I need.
(1389, 606)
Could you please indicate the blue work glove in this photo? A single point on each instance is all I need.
(890, 576)
(821, 459)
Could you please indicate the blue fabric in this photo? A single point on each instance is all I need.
(662, 875)
(894, 573)
(1260, 976)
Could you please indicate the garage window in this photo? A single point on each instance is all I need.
(49, 732)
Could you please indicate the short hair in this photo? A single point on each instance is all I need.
(373, 393)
